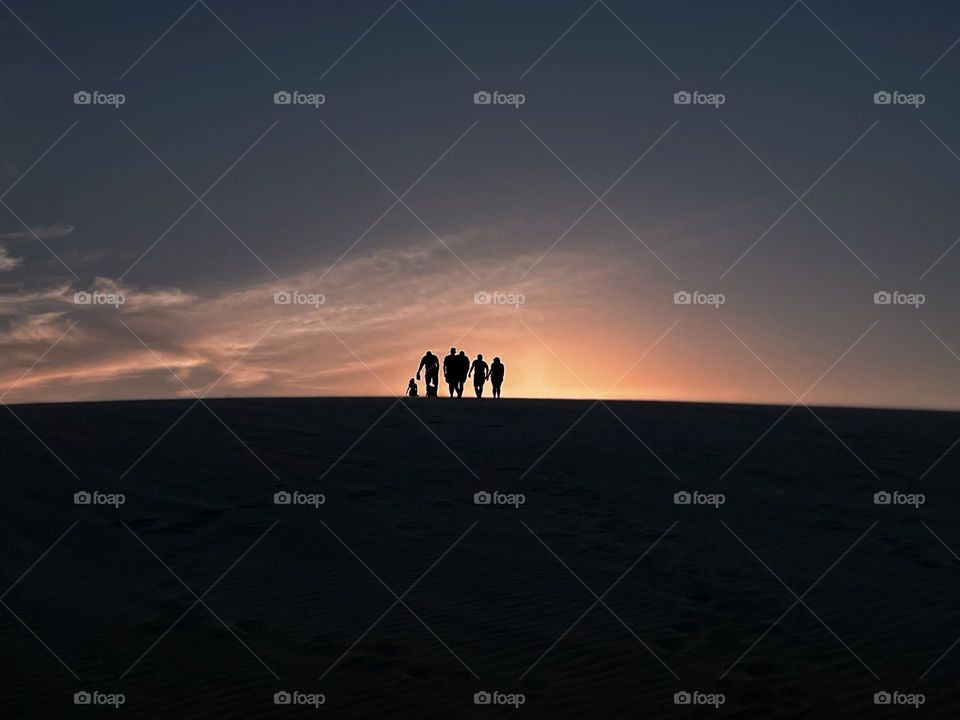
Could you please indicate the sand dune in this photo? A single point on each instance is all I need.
(296, 587)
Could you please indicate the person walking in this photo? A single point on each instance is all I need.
(496, 376)
(479, 370)
(431, 364)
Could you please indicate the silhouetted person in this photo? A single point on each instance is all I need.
(431, 367)
(479, 370)
(451, 370)
(463, 367)
(496, 376)
(412, 388)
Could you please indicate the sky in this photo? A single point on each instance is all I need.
(395, 209)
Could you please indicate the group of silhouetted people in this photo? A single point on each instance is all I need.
(457, 368)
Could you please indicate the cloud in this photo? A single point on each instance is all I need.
(386, 306)
(44, 232)
(7, 262)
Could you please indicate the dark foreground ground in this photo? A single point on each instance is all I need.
(200, 597)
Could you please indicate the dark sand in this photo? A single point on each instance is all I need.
(399, 499)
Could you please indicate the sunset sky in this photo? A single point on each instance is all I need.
(305, 199)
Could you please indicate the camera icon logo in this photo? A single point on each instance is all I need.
(882, 298)
(882, 698)
(682, 498)
(482, 298)
(82, 698)
(882, 98)
(682, 698)
(82, 98)
(482, 498)
(82, 298)
(282, 98)
(882, 498)
(282, 498)
(682, 298)
(682, 98)
(282, 297)
(282, 698)
(482, 98)
(482, 698)
(82, 498)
